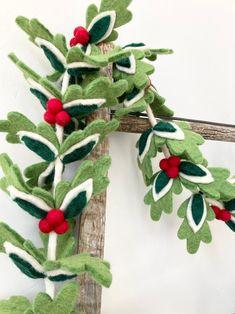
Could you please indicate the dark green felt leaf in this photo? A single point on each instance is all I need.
(55, 62)
(100, 29)
(191, 169)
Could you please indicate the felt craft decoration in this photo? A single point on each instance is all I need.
(73, 90)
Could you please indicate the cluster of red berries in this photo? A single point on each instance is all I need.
(81, 36)
(171, 166)
(54, 221)
(221, 214)
(55, 113)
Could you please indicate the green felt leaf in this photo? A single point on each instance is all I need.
(91, 13)
(81, 263)
(33, 251)
(38, 175)
(186, 232)
(158, 106)
(15, 122)
(55, 62)
(54, 77)
(9, 235)
(48, 133)
(44, 195)
(27, 71)
(14, 305)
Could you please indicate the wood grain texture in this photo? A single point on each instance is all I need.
(209, 130)
(91, 232)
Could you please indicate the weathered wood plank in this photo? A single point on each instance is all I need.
(209, 130)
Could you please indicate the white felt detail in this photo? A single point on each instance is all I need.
(204, 180)
(85, 102)
(94, 137)
(189, 215)
(57, 272)
(178, 135)
(45, 174)
(34, 200)
(52, 243)
(50, 287)
(38, 138)
(130, 70)
(128, 103)
(147, 146)
(163, 192)
(12, 249)
(86, 186)
(111, 25)
(137, 48)
(213, 202)
(65, 82)
(88, 50)
(75, 65)
(52, 48)
(40, 88)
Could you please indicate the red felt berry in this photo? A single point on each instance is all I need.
(63, 118)
(44, 226)
(55, 217)
(174, 161)
(63, 228)
(49, 118)
(172, 172)
(54, 106)
(73, 42)
(82, 35)
(216, 210)
(224, 215)
(164, 165)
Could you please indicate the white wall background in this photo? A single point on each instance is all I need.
(152, 272)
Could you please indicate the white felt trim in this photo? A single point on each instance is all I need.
(130, 70)
(45, 174)
(38, 138)
(189, 216)
(111, 25)
(94, 137)
(128, 103)
(52, 244)
(75, 65)
(163, 192)
(12, 249)
(65, 82)
(50, 287)
(213, 202)
(36, 201)
(85, 186)
(59, 55)
(57, 272)
(204, 180)
(88, 50)
(178, 135)
(147, 146)
(40, 88)
(85, 102)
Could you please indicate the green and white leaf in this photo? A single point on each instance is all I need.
(195, 173)
(168, 130)
(41, 174)
(161, 185)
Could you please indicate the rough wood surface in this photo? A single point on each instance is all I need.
(209, 130)
(91, 231)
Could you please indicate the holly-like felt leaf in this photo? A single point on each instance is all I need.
(158, 106)
(140, 51)
(39, 145)
(14, 305)
(195, 173)
(63, 303)
(15, 122)
(81, 263)
(24, 261)
(164, 203)
(168, 130)
(127, 65)
(40, 174)
(194, 237)
(7, 234)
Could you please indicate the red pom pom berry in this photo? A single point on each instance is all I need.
(54, 106)
(174, 161)
(216, 210)
(224, 215)
(55, 217)
(63, 118)
(73, 42)
(164, 164)
(82, 35)
(44, 226)
(172, 172)
(63, 228)
(49, 118)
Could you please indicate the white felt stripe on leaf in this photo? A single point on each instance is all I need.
(87, 140)
(178, 135)
(45, 174)
(40, 88)
(163, 192)
(59, 55)
(128, 103)
(190, 219)
(58, 272)
(146, 149)
(130, 70)
(38, 138)
(86, 186)
(112, 14)
(34, 200)
(196, 179)
(75, 65)
(85, 102)
(12, 249)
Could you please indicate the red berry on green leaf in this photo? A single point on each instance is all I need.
(49, 118)
(82, 35)
(63, 228)
(223, 215)
(54, 106)
(164, 164)
(172, 172)
(44, 226)
(174, 161)
(55, 217)
(63, 118)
